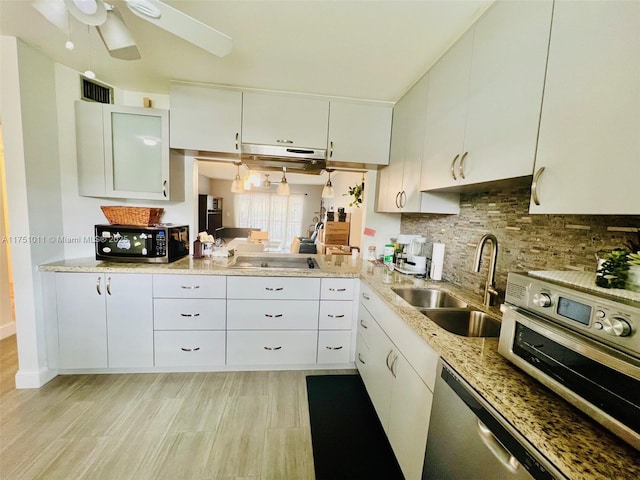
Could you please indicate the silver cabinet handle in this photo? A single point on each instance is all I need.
(272, 348)
(398, 200)
(237, 138)
(98, 283)
(190, 287)
(461, 165)
(534, 186)
(453, 167)
(393, 366)
(330, 315)
(270, 289)
(403, 199)
(109, 285)
(330, 149)
(360, 359)
(195, 349)
(364, 295)
(189, 314)
(337, 289)
(387, 360)
(284, 140)
(364, 325)
(334, 348)
(278, 315)
(164, 189)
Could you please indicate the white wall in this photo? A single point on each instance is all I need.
(28, 112)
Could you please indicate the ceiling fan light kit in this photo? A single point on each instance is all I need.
(89, 12)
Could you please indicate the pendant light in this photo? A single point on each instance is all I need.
(266, 183)
(89, 73)
(283, 188)
(69, 45)
(327, 191)
(237, 185)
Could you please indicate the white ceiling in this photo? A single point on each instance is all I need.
(359, 49)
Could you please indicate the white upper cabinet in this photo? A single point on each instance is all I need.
(399, 184)
(589, 144)
(123, 152)
(359, 133)
(286, 120)
(485, 96)
(205, 118)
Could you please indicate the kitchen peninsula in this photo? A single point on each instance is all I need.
(577, 446)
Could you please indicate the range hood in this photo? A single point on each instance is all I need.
(275, 158)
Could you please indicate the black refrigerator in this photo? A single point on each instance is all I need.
(209, 214)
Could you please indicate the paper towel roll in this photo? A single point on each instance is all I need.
(437, 261)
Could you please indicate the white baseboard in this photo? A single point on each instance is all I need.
(7, 330)
(34, 378)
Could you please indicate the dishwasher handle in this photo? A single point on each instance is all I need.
(498, 450)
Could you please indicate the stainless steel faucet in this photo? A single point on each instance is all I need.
(490, 291)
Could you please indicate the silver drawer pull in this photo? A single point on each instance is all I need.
(334, 316)
(273, 348)
(189, 314)
(98, 286)
(270, 289)
(190, 349)
(364, 325)
(334, 348)
(337, 289)
(365, 296)
(284, 140)
(277, 315)
(190, 287)
(360, 359)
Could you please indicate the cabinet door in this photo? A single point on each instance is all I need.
(272, 314)
(446, 113)
(335, 315)
(136, 142)
(359, 133)
(204, 118)
(510, 45)
(283, 347)
(390, 177)
(82, 320)
(189, 348)
(189, 314)
(287, 120)
(334, 346)
(189, 286)
(129, 320)
(409, 415)
(337, 288)
(589, 142)
(273, 288)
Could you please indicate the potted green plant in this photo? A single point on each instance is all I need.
(356, 193)
(614, 270)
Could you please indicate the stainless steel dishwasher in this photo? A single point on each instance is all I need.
(469, 440)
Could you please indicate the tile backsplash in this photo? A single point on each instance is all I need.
(525, 242)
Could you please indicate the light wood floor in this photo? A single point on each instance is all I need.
(230, 425)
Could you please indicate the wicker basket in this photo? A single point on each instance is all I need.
(132, 215)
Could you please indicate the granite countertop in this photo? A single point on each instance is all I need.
(575, 444)
(330, 266)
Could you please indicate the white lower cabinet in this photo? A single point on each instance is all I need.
(278, 347)
(334, 346)
(389, 356)
(189, 348)
(272, 314)
(104, 320)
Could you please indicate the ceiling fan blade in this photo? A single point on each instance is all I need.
(116, 36)
(182, 25)
(55, 11)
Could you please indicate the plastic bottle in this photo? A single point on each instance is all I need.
(388, 253)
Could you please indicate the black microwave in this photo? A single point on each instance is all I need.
(131, 243)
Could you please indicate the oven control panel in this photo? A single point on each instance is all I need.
(611, 322)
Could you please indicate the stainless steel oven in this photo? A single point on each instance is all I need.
(582, 345)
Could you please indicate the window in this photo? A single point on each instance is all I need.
(279, 215)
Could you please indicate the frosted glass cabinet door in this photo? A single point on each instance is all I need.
(136, 152)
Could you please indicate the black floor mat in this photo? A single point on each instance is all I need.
(348, 439)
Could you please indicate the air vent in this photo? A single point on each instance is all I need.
(94, 91)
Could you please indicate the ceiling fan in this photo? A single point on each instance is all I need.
(116, 36)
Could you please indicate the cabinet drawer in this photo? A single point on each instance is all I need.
(273, 288)
(188, 286)
(189, 349)
(334, 346)
(250, 347)
(337, 288)
(272, 314)
(189, 314)
(366, 325)
(335, 315)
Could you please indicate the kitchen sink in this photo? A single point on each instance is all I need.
(275, 261)
(465, 322)
(429, 298)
